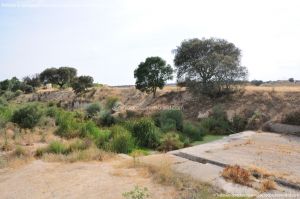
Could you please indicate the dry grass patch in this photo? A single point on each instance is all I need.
(267, 185)
(163, 174)
(19, 157)
(237, 174)
(90, 154)
(284, 89)
(264, 173)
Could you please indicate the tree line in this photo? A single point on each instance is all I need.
(63, 77)
(205, 66)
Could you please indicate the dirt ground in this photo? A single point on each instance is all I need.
(77, 180)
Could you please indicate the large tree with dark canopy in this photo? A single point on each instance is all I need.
(152, 74)
(209, 66)
(59, 76)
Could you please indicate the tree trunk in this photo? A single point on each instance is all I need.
(154, 92)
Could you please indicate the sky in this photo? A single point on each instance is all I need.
(107, 39)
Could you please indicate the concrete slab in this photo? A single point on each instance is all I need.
(275, 153)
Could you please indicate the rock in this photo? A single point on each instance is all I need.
(202, 115)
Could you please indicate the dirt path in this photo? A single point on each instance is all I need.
(78, 180)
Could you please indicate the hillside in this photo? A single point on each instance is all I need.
(271, 102)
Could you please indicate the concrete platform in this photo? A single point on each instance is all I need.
(275, 153)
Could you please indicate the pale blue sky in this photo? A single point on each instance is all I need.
(108, 39)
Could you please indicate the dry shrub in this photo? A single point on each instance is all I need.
(17, 158)
(7, 146)
(186, 187)
(267, 185)
(260, 171)
(237, 174)
(15, 162)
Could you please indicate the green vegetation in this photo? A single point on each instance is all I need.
(92, 110)
(137, 193)
(57, 148)
(194, 132)
(209, 66)
(170, 141)
(152, 74)
(256, 82)
(82, 83)
(106, 119)
(59, 76)
(169, 120)
(68, 127)
(27, 116)
(122, 140)
(146, 133)
(111, 102)
(207, 138)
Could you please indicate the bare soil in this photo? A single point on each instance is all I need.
(77, 180)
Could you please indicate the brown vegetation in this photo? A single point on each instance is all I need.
(267, 185)
(237, 174)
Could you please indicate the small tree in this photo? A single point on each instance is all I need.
(81, 83)
(256, 82)
(291, 80)
(4, 85)
(152, 74)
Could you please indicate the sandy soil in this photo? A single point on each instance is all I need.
(78, 180)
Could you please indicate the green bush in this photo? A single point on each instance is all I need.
(218, 113)
(68, 126)
(103, 139)
(3, 101)
(195, 132)
(6, 113)
(92, 110)
(28, 116)
(90, 130)
(18, 93)
(292, 118)
(52, 111)
(111, 102)
(57, 148)
(51, 104)
(106, 119)
(40, 152)
(217, 122)
(27, 88)
(19, 151)
(137, 193)
(79, 145)
(238, 123)
(9, 95)
(169, 120)
(214, 126)
(146, 133)
(170, 141)
(122, 140)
